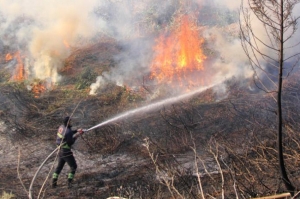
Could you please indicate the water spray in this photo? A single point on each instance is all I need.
(123, 115)
(151, 106)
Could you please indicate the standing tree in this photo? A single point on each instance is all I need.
(271, 54)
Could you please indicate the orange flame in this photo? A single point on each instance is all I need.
(19, 73)
(178, 55)
(8, 57)
(38, 89)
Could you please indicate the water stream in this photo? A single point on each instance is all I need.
(151, 106)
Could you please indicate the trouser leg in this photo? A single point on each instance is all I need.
(60, 165)
(72, 164)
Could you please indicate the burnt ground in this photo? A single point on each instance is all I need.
(114, 160)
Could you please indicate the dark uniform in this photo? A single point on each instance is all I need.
(66, 137)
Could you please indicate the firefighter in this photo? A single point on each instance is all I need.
(66, 137)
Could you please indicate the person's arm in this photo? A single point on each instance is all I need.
(77, 133)
(69, 137)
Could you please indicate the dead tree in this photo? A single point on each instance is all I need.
(269, 55)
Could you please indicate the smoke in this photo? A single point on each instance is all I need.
(233, 56)
(101, 82)
(232, 5)
(230, 59)
(50, 46)
(46, 30)
(292, 45)
(137, 44)
(94, 86)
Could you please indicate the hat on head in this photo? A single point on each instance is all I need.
(67, 120)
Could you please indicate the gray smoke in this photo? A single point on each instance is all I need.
(137, 48)
(46, 31)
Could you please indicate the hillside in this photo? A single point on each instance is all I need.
(166, 91)
(234, 130)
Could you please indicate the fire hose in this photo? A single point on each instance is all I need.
(36, 173)
(47, 158)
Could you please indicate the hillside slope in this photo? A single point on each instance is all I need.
(118, 158)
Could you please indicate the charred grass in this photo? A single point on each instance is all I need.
(238, 130)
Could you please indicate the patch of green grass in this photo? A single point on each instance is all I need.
(85, 79)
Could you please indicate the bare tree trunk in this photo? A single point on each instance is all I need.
(284, 176)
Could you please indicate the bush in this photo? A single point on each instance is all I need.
(86, 78)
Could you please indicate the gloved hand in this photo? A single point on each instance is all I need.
(80, 131)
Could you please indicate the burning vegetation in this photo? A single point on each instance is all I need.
(217, 143)
(178, 56)
(37, 87)
(19, 73)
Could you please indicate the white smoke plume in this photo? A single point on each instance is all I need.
(134, 61)
(94, 86)
(45, 31)
(236, 61)
(101, 82)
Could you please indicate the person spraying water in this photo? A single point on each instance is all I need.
(66, 137)
(119, 117)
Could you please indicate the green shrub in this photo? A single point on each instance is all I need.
(86, 78)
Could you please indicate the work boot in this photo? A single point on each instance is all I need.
(70, 183)
(54, 182)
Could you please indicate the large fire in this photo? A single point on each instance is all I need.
(19, 73)
(37, 89)
(178, 55)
